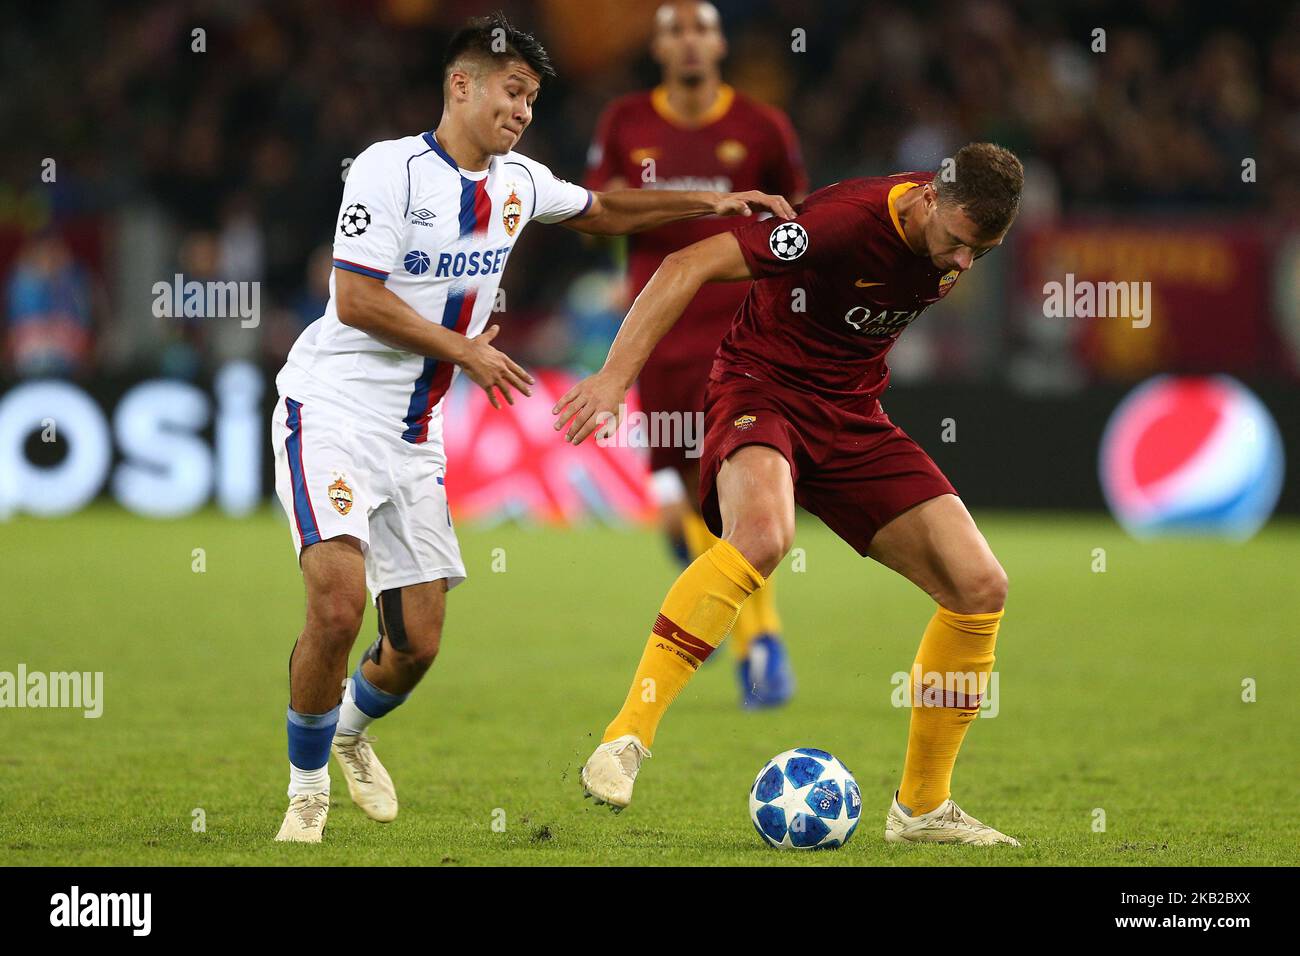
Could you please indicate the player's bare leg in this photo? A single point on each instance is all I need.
(762, 664)
(756, 501)
(410, 633)
(405, 657)
(335, 579)
(756, 498)
(937, 547)
(334, 574)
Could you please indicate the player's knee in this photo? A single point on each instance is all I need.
(764, 542)
(421, 648)
(983, 590)
(336, 619)
(413, 637)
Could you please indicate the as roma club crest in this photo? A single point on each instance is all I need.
(731, 152)
(511, 213)
(945, 283)
(341, 496)
(745, 422)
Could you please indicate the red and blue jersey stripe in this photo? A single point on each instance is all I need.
(304, 515)
(435, 376)
(360, 269)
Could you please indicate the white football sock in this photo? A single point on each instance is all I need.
(352, 719)
(308, 781)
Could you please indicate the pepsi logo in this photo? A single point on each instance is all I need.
(1191, 455)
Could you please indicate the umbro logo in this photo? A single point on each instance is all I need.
(423, 214)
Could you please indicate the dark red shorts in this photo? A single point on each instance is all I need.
(855, 471)
(675, 386)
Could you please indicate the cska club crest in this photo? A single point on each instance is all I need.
(945, 283)
(511, 213)
(341, 496)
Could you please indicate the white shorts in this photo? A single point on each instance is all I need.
(336, 476)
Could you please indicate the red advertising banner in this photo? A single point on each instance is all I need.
(1119, 301)
(512, 463)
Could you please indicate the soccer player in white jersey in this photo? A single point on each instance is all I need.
(425, 228)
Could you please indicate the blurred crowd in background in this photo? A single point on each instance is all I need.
(227, 163)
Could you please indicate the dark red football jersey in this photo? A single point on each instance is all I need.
(833, 290)
(740, 144)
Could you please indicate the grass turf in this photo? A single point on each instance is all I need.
(1119, 691)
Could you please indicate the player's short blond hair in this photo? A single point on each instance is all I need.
(985, 182)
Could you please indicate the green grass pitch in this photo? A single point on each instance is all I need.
(1119, 692)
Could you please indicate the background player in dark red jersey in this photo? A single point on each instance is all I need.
(696, 132)
(793, 415)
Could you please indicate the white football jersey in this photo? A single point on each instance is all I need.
(439, 237)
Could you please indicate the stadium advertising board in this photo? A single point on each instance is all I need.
(1122, 301)
(164, 448)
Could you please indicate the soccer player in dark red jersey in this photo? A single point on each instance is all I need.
(793, 416)
(696, 132)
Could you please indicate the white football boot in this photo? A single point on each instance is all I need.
(369, 784)
(304, 821)
(611, 771)
(946, 823)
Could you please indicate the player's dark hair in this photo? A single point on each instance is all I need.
(493, 38)
(985, 183)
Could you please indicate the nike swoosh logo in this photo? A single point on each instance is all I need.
(866, 285)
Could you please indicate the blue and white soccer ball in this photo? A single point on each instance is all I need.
(805, 799)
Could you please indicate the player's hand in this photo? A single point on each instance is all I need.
(593, 403)
(745, 204)
(494, 370)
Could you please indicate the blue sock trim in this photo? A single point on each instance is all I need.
(309, 738)
(370, 700)
(313, 720)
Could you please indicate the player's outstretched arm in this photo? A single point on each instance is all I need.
(366, 304)
(596, 400)
(624, 211)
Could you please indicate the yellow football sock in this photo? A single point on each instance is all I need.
(949, 678)
(757, 616)
(758, 613)
(698, 536)
(696, 615)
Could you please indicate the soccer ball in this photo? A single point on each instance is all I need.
(788, 241)
(805, 799)
(355, 221)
